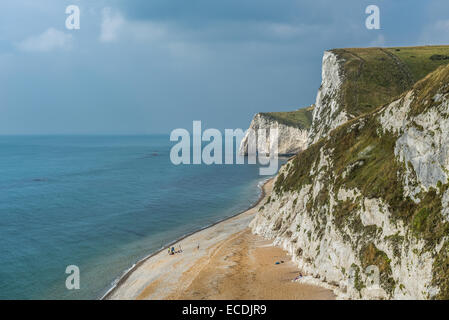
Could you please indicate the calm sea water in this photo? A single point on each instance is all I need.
(101, 203)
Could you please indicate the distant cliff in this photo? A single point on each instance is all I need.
(372, 187)
(292, 129)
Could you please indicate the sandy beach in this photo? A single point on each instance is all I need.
(224, 261)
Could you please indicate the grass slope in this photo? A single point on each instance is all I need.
(374, 76)
(301, 118)
(422, 60)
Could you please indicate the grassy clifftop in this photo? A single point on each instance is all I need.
(374, 76)
(422, 60)
(301, 118)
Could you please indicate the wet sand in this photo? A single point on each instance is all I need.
(230, 263)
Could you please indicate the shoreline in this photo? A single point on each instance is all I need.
(127, 273)
(221, 261)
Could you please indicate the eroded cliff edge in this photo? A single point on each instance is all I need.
(372, 187)
(293, 130)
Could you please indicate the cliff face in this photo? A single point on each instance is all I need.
(292, 130)
(327, 114)
(355, 81)
(365, 208)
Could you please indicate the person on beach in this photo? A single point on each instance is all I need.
(298, 277)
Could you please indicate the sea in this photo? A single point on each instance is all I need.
(101, 204)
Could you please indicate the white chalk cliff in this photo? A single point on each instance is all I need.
(369, 194)
(327, 114)
(292, 137)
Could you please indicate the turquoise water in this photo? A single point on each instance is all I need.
(101, 203)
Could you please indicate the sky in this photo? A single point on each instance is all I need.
(151, 66)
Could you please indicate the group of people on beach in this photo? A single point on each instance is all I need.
(172, 251)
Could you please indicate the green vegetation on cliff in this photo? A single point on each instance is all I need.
(362, 157)
(301, 118)
(422, 60)
(374, 76)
